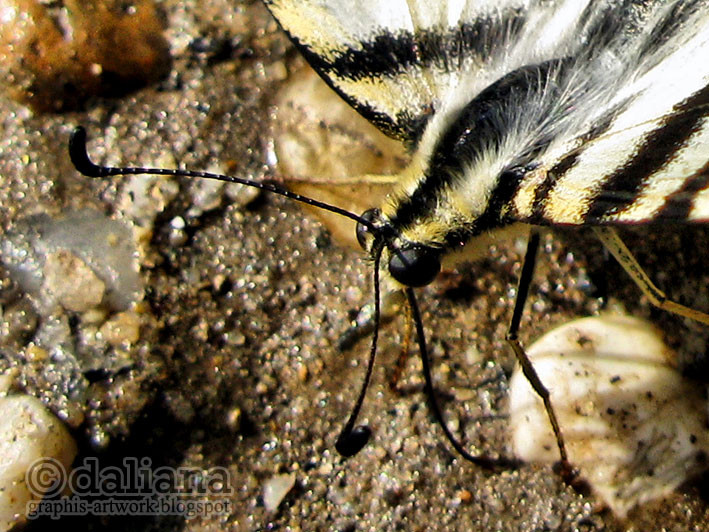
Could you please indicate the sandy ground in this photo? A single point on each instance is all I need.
(237, 365)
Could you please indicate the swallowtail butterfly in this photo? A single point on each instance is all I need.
(537, 112)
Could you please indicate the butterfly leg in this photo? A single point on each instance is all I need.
(657, 297)
(403, 353)
(530, 373)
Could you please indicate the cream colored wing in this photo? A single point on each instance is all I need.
(397, 62)
(645, 155)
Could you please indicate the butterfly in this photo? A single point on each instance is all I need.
(541, 113)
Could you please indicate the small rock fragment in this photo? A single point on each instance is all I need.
(275, 489)
(74, 285)
(104, 245)
(122, 329)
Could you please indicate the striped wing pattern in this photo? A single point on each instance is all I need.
(650, 160)
(397, 61)
(552, 112)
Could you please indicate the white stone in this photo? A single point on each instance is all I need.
(633, 426)
(275, 489)
(34, 446)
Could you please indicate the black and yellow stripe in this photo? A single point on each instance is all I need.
(363, 69)
(626, 194)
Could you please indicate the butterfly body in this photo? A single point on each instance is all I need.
(549, 113)
(565, 113)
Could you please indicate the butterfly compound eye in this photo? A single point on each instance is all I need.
(415, 266)
(364, 234)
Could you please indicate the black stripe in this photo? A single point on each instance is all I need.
(568, 162)
(623, 187)
(481, 125)
(388, 55)
(406, 126)
(679, 204)
(671, 25)
(501, 196)
(555, 173)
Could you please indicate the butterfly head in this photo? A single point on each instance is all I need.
(409, 263)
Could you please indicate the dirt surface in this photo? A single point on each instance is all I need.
(242, 303)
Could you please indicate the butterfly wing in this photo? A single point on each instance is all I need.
(644, 157)
(397, 62)
(633, 153)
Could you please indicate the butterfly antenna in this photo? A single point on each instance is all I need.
(487, 462)
(80, 158)
(352, 439)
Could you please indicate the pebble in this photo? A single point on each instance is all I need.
(36, 452)
(275, 489)
(54, 55)
(74, 285)
(123, 329)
